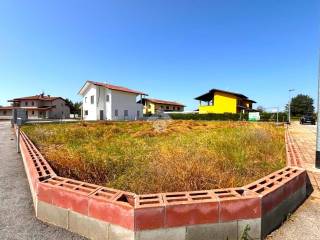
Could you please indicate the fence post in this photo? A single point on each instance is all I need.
(18, 139)
(19, 122)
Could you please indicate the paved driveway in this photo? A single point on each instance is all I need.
(304, 137)
(305, 222)
(17, 219)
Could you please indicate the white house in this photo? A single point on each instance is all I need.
(103, 101)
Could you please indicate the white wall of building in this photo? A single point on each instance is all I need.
(122, 101)
(103, 103)
(87, 107)
(117, 100)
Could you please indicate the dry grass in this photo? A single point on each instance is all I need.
(187, 155)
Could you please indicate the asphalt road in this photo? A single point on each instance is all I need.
(17, 218)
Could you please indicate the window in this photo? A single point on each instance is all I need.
(26, 103)
(61, 104)
(92, 100)
(85, 99)
(107, 98)
(126, 113)
(32, 103)
(32, 113)
(167, 107)
(86, 112)
(161, 107)
(116, 112)
(4, 112)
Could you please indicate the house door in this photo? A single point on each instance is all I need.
(101, 114)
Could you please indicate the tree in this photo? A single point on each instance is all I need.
(260, 108)
(70, 104)
(77, 107)
(74, 107)
(301, 104)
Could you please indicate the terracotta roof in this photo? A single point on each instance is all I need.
(6, 108)
(114, 87)
(26, 108)
(35, 97)
(35, 108)
(153, 100)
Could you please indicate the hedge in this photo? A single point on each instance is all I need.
(264, 116)
(209, 116)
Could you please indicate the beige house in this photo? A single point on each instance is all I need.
(42, 106)
(6, 112)
(151, 106)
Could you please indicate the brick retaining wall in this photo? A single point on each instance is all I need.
(103, 213)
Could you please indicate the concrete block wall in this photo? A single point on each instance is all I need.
(281, 193)
(103, 213)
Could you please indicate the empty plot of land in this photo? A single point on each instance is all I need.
(162, 156)
(17, 219)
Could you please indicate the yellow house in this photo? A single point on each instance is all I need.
(151, 106)
(220, 101)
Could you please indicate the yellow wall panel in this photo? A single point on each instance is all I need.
(222, 103)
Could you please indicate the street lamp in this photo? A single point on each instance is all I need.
(318, 123)
(289, 106)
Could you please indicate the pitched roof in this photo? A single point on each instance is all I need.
(249, 100)
(26, 108)
(36, 97)
(208, 96)
(113, 87)
(36, 108)
(153, 100)
(6, 107)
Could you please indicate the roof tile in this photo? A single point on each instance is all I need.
(114, 87)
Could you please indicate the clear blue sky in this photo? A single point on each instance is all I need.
(173, 50)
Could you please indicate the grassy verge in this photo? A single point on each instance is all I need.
(184, 156)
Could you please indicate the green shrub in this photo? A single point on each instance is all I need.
(209, 116)
(264, 116)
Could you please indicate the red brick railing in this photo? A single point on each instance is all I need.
(264, 204)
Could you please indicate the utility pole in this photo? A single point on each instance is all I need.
(289, 106)
(318, 122)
